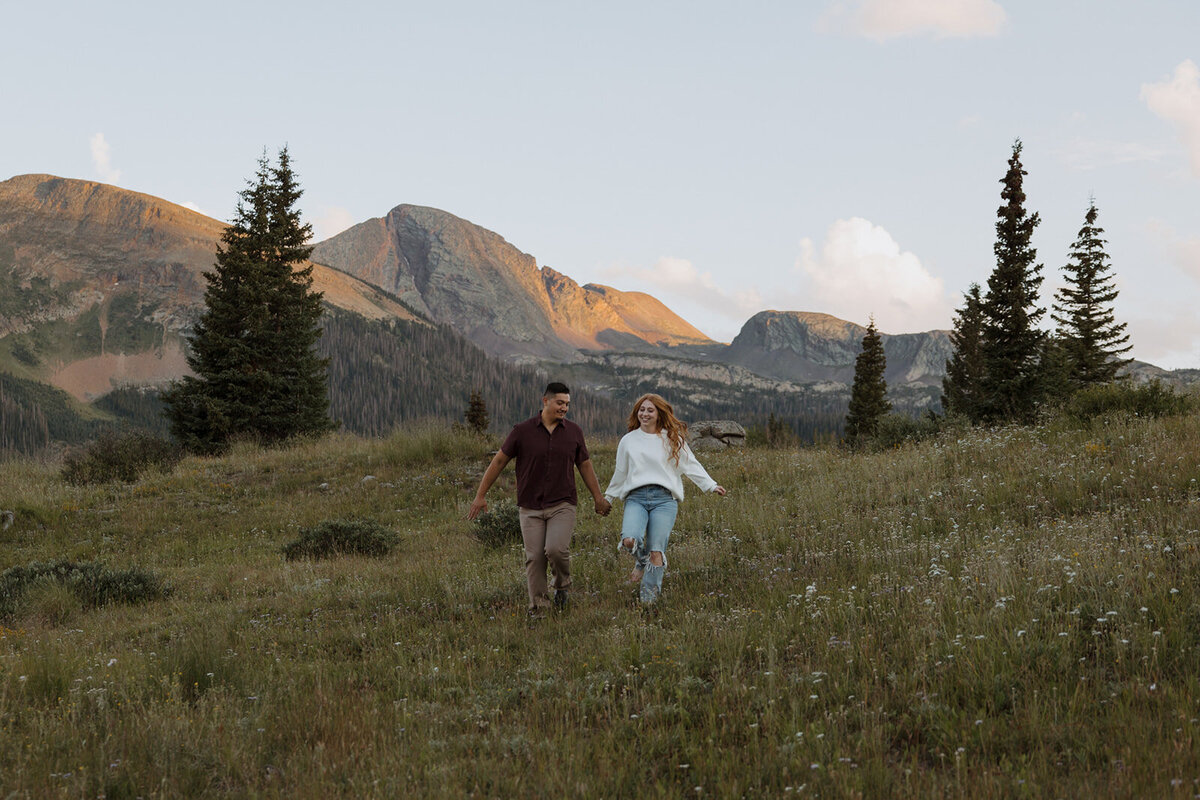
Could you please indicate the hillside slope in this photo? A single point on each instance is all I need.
(98, 283)
(995, 613)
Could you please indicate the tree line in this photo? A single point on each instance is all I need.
(1004, 366)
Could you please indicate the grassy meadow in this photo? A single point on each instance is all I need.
(992, 613)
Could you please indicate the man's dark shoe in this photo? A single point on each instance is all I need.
(560, 599)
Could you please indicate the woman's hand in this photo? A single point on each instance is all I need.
(719, 490)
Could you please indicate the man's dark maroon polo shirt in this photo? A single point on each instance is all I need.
(545, 461)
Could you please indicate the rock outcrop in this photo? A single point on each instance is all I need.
(718, 434)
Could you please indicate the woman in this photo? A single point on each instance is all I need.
(652, 459)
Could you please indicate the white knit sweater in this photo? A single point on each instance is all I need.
(645, 458)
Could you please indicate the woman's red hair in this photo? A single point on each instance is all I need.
(667, 421)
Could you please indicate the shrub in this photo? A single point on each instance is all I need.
(893, 430)
(93, 584)
(1153, 399)
(499, 527)
(119, 456)
(338, 537)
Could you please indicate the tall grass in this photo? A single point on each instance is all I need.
(993, 613)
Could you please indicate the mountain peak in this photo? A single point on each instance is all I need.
(790, 343)
(472, 278)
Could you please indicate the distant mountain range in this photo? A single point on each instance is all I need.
(98, 286)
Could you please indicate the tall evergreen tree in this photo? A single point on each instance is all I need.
(1091, 338)
(257, 374)
(1011, 341)
(964, 370)
(868, 395)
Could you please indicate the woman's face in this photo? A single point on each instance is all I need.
(648, 416)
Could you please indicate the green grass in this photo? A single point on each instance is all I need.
(1005, 613)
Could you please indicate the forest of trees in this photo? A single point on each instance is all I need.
(385, 374)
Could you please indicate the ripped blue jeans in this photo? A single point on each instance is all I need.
(649, 517)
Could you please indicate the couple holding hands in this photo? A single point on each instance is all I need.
(652, 459)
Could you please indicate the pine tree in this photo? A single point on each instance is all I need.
(964, 370)
(1055, 369)
(257, 373)
(1011, 341)
(868, 395)
(1092, 340)
(476, 415)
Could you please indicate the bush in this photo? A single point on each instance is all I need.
(119, 456)
(895, 429)
(341, 537)
(93, 584)
(1153, 399)
(500, 526)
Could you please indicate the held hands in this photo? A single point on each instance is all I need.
(603, 506)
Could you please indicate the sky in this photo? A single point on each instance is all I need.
(835, 156)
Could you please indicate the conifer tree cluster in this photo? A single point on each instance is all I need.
(1004, 366)
(257, 372)
(868, 395)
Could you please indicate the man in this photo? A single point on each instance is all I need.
(548, 448)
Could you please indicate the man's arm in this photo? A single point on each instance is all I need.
(479, 505)
(593, 486)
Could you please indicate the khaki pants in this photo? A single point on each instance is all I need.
(547, 535)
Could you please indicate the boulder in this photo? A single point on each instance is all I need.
(716, 434)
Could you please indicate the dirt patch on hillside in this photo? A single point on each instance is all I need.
(94, 377)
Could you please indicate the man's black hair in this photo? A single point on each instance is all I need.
(556, 388)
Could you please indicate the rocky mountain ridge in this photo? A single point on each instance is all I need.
(785, 344)
(459, 273)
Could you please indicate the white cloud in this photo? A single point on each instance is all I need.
(1177, 100)
(331, 222)
(673, 279)
(1169, 339)
(887, 19)
(860, 271)
(102, 159)
(1184, 253)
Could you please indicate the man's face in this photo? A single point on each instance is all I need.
(555, 407)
